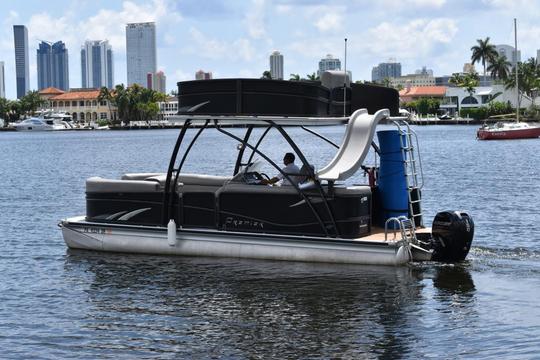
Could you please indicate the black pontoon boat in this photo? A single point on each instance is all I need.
(317, 219)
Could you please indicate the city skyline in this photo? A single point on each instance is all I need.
(234, 39)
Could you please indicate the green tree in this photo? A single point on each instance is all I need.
(386, 82)
(468, 81)
(528, 78)
(136, 103)
(499, 68)
(294, 77)
(106, 95)
(4, 110)
(313, 77)
(483, 52)
(426, 106)
(31, 102)
(266, 75)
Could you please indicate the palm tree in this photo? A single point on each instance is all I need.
(294, 77)
(528, 77)
(499, 68)
(266, 75)
(484, 52)
(313, 77)
(31, 102)
(467, 81)
(106, 95)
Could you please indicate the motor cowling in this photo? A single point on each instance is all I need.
(452, 233)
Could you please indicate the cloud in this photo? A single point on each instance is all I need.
(255, 20)
(331, 21)
(414, 39)
(105, 25)
(210, 48)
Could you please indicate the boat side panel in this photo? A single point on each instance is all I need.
(236, 246)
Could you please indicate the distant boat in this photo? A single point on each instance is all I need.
(509, 130)
(39, 124)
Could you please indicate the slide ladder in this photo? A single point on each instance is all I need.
(414, 176)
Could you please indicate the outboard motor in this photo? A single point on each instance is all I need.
(452, 233)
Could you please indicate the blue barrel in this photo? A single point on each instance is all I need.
(392, 182)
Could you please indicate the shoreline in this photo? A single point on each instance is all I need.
(420, 122)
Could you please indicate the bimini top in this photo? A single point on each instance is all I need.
(350, 155)
(262, 97)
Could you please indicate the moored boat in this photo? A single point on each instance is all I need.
(318, 217)
(508, 130)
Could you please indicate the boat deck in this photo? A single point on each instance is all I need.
(377, 234)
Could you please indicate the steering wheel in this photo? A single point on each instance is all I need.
(252, 178)
(266, 176)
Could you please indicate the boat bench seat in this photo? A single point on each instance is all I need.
(184, 179)
(139, 176)
(101, 185)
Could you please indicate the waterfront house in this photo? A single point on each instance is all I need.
(413, 93)
(81, 104)
(457, 98)
(168, 108)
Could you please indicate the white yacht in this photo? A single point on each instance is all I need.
(50, 122)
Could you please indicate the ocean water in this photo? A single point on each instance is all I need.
(60, 303)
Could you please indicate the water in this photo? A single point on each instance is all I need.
(57, 303)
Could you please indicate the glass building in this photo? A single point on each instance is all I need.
(20, 37)
(52, 65)
(2, 81)
(97, 64)
(328, 63)
(276, 65)
(141, 52)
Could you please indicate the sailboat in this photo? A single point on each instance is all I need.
(509, 130)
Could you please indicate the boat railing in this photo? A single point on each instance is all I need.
(404, 225)
(327, 222)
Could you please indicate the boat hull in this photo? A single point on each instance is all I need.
(529, 133)
(80, 234)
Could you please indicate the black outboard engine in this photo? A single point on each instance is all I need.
(452, 233)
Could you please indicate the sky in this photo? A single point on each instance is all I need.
(234, 38)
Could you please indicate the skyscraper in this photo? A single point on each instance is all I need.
(276, 65)
(97, 64)
(20, 38)
(390, 69)
(52, 65)
(201, 75)
(328, 63)
(140, 51)
(160, 82)
(157, 82)
(2, 81)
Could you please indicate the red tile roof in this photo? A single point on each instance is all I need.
(50, 91)
(417, 91)
(91, 94)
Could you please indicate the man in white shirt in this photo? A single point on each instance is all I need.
(290, 169)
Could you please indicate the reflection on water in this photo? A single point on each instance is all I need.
(55, 304)
(247, 308)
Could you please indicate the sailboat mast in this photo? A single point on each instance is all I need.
(517, 78)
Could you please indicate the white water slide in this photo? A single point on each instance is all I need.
(355, 146)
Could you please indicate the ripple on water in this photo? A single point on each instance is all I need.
(74, 304)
